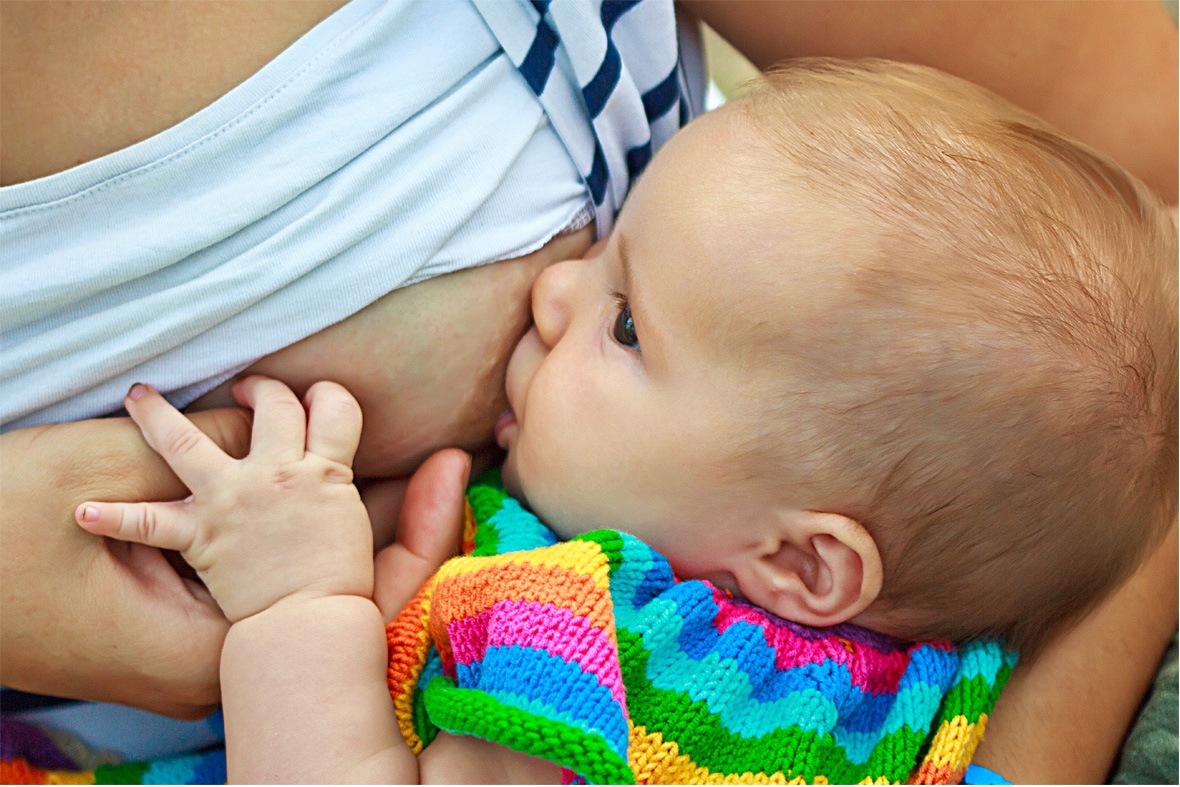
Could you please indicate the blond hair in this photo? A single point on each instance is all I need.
(995, 396)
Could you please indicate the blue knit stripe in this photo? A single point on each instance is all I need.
(932, 666)
(517, 529)
(211, 769)
(980, 659)
(548, 679)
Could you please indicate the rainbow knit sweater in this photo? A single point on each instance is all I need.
(591, 654)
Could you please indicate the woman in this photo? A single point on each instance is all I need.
(88, 619)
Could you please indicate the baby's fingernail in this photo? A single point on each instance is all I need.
(137, 391)
(86, 513)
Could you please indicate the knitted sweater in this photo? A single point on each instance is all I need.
(591, 654)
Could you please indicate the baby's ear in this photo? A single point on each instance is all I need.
(818, 569)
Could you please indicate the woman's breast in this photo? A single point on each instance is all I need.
(426, 362)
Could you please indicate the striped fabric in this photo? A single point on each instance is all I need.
(33, 756)
(610, 79)
(591, 654)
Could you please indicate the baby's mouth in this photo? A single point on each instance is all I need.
(504, 423)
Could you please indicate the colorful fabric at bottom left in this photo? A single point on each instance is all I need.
(29, 756)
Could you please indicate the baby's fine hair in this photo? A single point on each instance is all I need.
(994, 395)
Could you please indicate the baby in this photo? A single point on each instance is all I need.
(870, 346)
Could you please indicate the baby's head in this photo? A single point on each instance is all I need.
(869, 345)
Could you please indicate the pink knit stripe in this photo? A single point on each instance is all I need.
(872, 671)
(559, 632)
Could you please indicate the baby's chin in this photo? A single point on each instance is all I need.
(510, 479)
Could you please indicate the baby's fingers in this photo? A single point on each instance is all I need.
(162, 525)
(196, 460)
(333, 422)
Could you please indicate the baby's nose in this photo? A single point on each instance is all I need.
(553, 299)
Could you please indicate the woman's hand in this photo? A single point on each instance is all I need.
(91, 618)
(429, 529)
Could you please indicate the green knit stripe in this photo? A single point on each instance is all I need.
(125, 773)
(792, 750)
(474, 712)
(972, 697)
(486, 497)
(1002, 676)
(423, 726)
(969, 697)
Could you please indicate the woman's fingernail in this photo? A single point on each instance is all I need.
(137, 391)
(86, 513)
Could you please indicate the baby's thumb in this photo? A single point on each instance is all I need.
(162, 525)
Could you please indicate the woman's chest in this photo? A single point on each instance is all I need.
(426, 362)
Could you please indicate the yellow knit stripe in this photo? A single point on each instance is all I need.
(954, 743)
(69, 777)
(654, 760)
(469, 523)
(577, 556)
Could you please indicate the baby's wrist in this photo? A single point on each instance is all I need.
(308, 603)
(287, 631)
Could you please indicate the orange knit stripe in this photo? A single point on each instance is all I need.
(406, 663)
(20, 772)
(471, 593)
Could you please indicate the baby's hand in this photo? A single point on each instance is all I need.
(284, 521)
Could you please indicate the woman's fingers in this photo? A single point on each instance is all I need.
(162, 525)
(428, 530)
(188, 451)
(333, 422)
(280, 423)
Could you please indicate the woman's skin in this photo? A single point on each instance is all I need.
(95, 620)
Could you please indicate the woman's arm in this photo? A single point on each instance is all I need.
(1062, 718)
(90, 618)
(1104, 72)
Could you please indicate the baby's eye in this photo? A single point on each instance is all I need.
(623, 330)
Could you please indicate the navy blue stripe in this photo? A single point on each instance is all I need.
(613, 9)
(596, 180)
(538, 63)
(683, 110)
(661, 98)
(541, 5)
(637, 158)
(598, 91)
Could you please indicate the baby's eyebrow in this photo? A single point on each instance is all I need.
(649, 336)
(625, 261)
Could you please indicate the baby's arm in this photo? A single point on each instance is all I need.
(282, 540)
